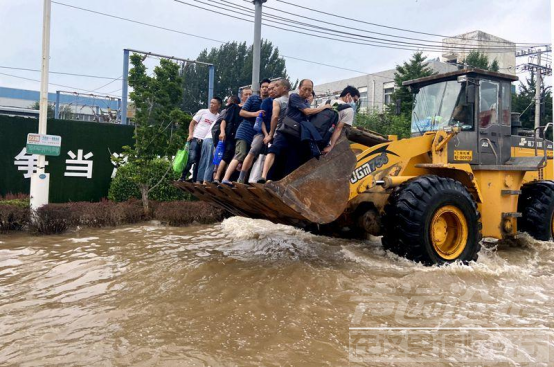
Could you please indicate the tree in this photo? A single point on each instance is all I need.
(50, 110)
(233, 69)
(479, 60)
(524, 102)
(160, 126)
(412, 69)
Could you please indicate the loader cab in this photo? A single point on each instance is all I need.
(475, 101)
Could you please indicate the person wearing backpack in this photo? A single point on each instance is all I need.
(286, 143)
(346, 106)
(245, 132)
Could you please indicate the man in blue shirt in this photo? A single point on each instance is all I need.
(245, 133)
(289, 148)
(260, 139)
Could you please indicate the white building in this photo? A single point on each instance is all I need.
(376, 88)
(495, 48)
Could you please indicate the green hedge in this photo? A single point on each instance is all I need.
(123, 186)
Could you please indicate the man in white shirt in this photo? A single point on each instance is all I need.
(200, 127)
(346, 106)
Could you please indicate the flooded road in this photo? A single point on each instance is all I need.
(248, 292)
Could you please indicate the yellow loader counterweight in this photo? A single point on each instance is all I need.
(467, 172)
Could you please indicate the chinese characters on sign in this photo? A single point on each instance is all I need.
(116, 162)
(77, 165)
(27, 162)
(80, 167)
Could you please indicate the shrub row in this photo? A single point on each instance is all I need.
(13, 217)
(178, 213)
(123, 187)
(57, 218)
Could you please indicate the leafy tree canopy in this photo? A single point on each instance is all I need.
(233, 69)
(414, 68)
(524, 102)
(160, 126)
(50, 109)
(479, 60)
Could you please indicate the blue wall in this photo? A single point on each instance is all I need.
(32, 95)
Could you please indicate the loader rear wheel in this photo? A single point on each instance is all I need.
(432, 220)
(536, 204)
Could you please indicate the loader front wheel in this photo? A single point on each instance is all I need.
(536, 204)
(432, 220)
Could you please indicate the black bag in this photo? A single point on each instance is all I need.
(290, 127)
(232, 117)
(325, 123)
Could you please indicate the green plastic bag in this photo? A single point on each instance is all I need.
(181, 159)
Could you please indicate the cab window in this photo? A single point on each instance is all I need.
(488, 103)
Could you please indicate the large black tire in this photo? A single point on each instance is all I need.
(414, 206)
(536, 204)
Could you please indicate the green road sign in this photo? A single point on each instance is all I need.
(43, 150)
(44, 144)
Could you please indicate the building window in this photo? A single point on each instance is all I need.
(363, 101)
(388, 95)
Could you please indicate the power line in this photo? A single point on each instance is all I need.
(57, 72)
(338, 67)
(506, 44)
(192, 35)
(136, 21)
(382, 25)
(58, 85)
(344, 40)
(105, 85)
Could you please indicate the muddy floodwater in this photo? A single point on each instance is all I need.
(247, 293)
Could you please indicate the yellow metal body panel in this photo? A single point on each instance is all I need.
(427, 154)
(547, 173)
(491, 184)
(388, 159)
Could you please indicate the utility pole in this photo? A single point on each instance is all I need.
(256, 47)
(40, 182)
(538, 94)
(539, 71)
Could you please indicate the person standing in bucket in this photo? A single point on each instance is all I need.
(286, 144)
(245, 133)
(262, 138)
(346, 106)
(200, 127)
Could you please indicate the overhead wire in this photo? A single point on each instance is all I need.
(56, 72)
(343, 40)
(105, 85)
(441, 45)
(58, 85)
(197, 36)
(385, 26)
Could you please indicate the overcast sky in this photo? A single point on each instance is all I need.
(86, 43)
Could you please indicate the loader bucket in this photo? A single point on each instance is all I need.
(317, 192)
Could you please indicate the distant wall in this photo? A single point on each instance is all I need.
(76, 174)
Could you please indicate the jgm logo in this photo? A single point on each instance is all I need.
(366, 169)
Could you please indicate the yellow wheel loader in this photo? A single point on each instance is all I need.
(467, 172)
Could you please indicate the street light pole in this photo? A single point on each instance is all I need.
(39, 181)
(256, 47)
